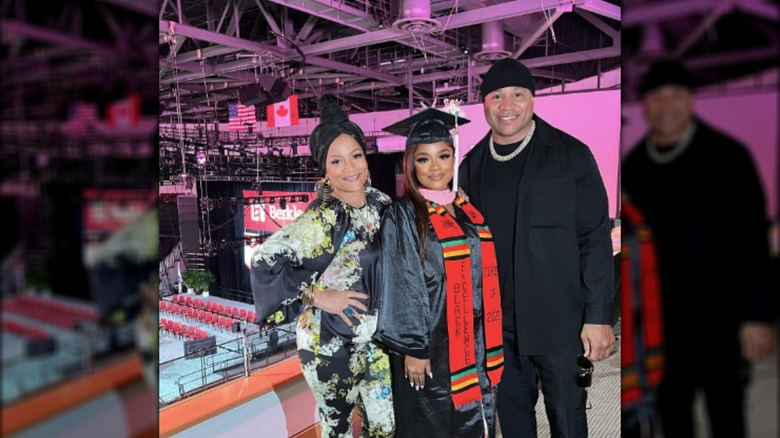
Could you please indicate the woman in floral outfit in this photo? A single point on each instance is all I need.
(324, 267)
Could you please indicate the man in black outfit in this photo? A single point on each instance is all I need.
(545, 202)
(702, 198)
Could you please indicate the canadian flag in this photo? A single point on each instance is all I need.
(283, 113)
(125, 112)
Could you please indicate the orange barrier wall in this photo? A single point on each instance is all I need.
(118, 389)
(274, 400)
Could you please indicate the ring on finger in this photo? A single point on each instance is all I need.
(349, 311)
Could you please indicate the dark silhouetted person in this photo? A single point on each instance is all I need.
(701, 196)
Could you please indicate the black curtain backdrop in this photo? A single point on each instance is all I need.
(383, 168)
(227, 225)
(68, 275)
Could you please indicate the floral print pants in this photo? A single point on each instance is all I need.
(355, 377)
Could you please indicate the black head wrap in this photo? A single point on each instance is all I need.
(333, 122)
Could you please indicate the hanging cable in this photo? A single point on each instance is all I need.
(452, 11)
(548, 17)
(172, 40)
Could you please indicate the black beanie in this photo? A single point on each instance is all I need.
(507, 72)
(665, 73)
(333, 122)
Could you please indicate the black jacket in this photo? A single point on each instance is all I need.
(563, 261)
(707, 212)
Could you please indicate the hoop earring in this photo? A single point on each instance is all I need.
(324, 190)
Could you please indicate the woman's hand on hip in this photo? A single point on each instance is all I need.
(415, 370)
(340, 302)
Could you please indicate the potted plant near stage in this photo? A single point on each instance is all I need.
(198, 280)
(38, 281)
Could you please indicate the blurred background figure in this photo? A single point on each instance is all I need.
(78, 193)
(700, 163)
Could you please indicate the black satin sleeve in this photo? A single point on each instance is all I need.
(293, 258)
(404, 310)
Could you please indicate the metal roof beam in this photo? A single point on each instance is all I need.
(599, 24)
(44, 35)
(760, 9)
(536, 31)
(218, 38)
(468, 18)
(600, 7)
(661, 11)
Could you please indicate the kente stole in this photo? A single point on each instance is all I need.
(642, 358)
(460, 309)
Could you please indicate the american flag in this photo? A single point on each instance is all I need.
(238, 115)
(81, 115)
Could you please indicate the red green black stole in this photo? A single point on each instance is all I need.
(642, 356)
(460, 309)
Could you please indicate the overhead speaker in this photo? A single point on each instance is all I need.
(260, 95)
(188, 223)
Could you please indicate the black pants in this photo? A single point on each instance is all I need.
(722, 376)
(518, 392)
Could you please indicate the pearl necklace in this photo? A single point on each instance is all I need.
(526, 140)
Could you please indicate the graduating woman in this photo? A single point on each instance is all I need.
(440, 312)
(327, 262)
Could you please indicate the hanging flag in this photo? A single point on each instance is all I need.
(283, 113)
(124, 113)
(178, 274)
(80, 116)
(240, 117)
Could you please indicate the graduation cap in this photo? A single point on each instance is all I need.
(428, 126)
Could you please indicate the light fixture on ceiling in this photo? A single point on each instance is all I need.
(416, 17)
(492, 42)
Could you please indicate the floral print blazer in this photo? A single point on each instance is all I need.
(334, 246)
